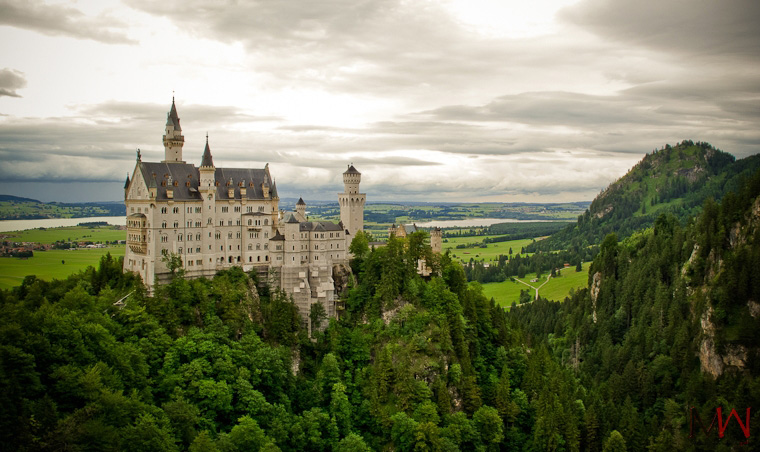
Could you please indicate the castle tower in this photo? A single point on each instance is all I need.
(207, 189)
(352, 202)
(173, 139)
(436, 240)
(301, 209)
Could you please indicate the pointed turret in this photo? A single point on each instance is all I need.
(207, 171)
(206, 160)
(173, 139)
(126, 184)
(301, 209)
(172, 119)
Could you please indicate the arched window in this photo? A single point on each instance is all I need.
(249, 222)
(250, 247)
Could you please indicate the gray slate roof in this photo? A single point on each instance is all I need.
(351, 170)
(319, 226)
(184, 172)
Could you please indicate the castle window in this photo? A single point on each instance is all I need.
(258, 246)
(229, 235)
(198, 250)
(249, 209)
(229, 222)
(179, 237)
(249, 222)
(250, 258)
(266, 246)
(164, 238)
(261, 208)
(258, 258)
(316, 258)
(237, 222)
(179, 250)
(197, 210)
(250, 247)
(197, 224)
(189, 210)
(218, 235)
(266, 235)
(176, 224)
(221, 247)
(266, 222)
(189, 224)
(163, 224)
(175, 210)
(163, 210)
(237, 208)
(209, 221)
(237, 235)
(209, 198)
(198, 236)
(225, 209)
(132, 209)
(266, 258)
(221, 222)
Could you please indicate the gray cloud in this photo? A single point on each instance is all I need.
(712, 27)
(59, 20)
(10, 81)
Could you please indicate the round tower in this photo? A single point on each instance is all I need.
(352, 202)
(173, 138)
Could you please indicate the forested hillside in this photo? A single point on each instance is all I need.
(669, 321)
(675, 180)
(17, 208)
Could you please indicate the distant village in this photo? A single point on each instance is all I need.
(23, 250)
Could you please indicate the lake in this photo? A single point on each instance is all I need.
(475, 222)
(22, 225)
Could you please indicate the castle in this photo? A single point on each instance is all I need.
(216, 218)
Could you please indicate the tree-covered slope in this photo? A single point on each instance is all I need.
(675, 179)
(670, 321)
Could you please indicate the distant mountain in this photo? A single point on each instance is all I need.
(12, 198)
(18, 208)
(676, 179)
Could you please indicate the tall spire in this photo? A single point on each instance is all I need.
(173, 139)
(172, 119)
(206, 160)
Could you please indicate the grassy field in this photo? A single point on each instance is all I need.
(48, 265)
(556, 289)
(71, 233)
(490, 253)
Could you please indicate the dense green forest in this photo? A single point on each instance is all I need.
(669, 321)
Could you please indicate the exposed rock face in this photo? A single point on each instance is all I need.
(341, 276)
(709, 359)
(596, 285)
(754, 308)
(390, 314)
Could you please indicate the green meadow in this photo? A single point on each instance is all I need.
(506, 292)
(491, 251)
(53, 264)
(98, 234)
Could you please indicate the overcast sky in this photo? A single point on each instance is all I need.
(458, 100)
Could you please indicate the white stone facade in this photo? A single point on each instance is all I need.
(216, 218)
